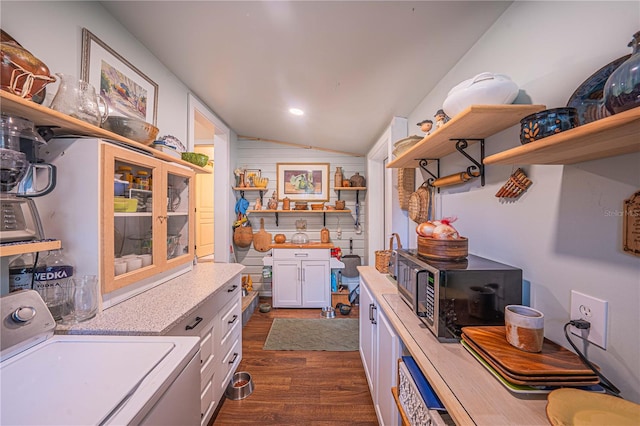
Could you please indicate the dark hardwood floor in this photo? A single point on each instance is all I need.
(298, 387)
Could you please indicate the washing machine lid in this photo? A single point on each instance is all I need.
(72, 381)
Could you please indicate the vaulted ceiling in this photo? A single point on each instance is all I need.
(350, 65)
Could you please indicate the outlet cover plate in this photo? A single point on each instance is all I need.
(590, 309)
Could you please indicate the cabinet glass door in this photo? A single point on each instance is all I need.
(180, 227)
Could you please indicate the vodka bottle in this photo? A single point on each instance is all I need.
(52, 275)
(21, 272)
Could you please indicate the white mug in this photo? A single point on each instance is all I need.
(146, 259)
(120, 267)
(133, 263)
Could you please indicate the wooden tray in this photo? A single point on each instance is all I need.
(557, 380)
(552, 360)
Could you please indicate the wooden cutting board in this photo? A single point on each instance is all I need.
(550, 380)
(262, 239)
(552, 360)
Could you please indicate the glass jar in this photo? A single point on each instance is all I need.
(126, 174)
(142, 180)
(622, 89)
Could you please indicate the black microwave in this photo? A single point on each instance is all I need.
(447, 296)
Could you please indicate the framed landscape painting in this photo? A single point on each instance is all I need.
(127, 91)
(303, 181)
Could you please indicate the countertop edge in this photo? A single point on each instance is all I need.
(157, 310)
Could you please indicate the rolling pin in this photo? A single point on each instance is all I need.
(455, 179)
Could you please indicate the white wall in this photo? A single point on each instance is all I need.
(559, 231)
(265, 156)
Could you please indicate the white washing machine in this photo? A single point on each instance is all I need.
(48, 379)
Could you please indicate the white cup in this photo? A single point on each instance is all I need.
(120, 267)
(133, 263)
(146, 259)
(524, 327)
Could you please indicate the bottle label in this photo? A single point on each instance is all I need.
(54, 273)
(20, 279)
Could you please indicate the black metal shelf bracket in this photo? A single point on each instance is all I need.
(241, 194)
(338, 193)
(461, 145)
(424, 163)
(324, 219)
(261, 194)
(276, 213)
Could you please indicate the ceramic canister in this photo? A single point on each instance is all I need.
(524, 327)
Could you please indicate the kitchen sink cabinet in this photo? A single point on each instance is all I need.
(379, 350)
(218, 323)
(301, 278)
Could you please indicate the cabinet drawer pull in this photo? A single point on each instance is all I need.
(370, 312)
(232, 289)
(301, 255)
(235, 317)
(195, 324)
(235, 356)
(373, 320)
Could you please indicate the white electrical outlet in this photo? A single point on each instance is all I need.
(590, 309)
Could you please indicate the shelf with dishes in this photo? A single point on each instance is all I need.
(607, 137)
(474, 124)
(63, 124)
(12, 249)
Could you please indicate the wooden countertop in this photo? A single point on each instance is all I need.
(469, 392)
(311, 245)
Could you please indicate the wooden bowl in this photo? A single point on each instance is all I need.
(447, 250)
(317, 206)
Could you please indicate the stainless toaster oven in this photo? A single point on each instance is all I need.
(447, 296)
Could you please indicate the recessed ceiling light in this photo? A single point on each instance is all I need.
(296, 111)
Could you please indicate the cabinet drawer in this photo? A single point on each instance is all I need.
(227, 292)
(301, 254)
(198, 323)
(230, 318)
(206, 399)
(229, 363)
(207, 361)
(206, 346)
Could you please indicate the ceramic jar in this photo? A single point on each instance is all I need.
(338, 177)
(622, 89)
(484, 89)
(324, 235)
(357, 180)
(286, 203)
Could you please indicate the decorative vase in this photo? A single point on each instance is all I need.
(357, 180)
(338, 177)
(622, 89)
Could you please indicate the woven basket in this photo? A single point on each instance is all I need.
(419, 204)
(383, 257)
(406, 185)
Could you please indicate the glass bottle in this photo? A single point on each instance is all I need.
(622, 89)
(338, 178)
(21, 272)
(51, 279)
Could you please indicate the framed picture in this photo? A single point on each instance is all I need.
(127, 91)
(303, 181)
(249, 174)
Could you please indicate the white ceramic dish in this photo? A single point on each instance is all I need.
(484, 89)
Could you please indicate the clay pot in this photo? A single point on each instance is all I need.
(279, 238)
(357, 180)
(33, 74)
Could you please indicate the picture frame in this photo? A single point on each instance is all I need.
(303, 181)
(126, 90)
(249, 174)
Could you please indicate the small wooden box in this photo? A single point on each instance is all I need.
(339, 297)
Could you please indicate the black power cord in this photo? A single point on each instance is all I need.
(585, 325)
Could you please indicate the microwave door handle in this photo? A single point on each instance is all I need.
(416, 302)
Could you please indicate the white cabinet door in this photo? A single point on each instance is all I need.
(286, 284)
(386, 371)
(367, 335)
(315, 291)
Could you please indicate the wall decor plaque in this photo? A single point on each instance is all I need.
(631, 225)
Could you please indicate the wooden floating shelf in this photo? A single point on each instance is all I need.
(350, 188)
(29, 247)
(292, 211)
(66, 125)
(475, 122)
(614, 135)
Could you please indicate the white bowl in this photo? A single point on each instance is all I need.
(120, 267)
(484, 89)
(146, 259)
(133, 263)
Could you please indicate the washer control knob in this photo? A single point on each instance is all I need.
(23, 314)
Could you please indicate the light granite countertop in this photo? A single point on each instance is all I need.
(157, 310)
(469, 392)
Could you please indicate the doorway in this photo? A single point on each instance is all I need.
(205, 229)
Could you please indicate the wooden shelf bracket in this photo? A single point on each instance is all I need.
(461, 145)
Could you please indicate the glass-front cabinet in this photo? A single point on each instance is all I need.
(147, 219)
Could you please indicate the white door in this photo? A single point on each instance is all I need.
(204, 208)
(367, 342)
(387, 370)
(286, 284)
(316, 285)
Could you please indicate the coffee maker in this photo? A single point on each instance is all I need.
(22, 177)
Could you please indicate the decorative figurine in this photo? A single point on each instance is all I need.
(272, 204)
(426, 126)
(258, 204)
(441, 118)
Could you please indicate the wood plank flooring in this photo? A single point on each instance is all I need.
(298, 387)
